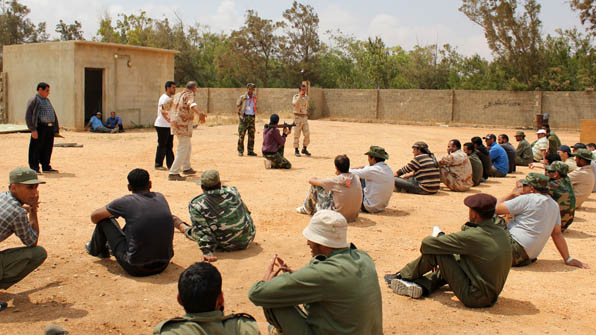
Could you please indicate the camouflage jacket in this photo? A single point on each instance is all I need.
(209, 323)
(182, 113)
(220, 220)
(562, 192)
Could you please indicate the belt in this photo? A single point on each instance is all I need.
(49, 124)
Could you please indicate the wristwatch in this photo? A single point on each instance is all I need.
(568, 260)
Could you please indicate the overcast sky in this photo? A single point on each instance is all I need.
(398, 22)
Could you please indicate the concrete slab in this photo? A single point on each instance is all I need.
(13, 128)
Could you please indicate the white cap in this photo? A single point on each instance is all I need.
(327, 228)
(541, 131)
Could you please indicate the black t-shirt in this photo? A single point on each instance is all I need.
(149, 227)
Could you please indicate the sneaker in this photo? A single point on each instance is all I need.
(161, 168)
(304, 151)
(301, 210)
(251, 154)
(267, 164)
(437, 232)
(176, 177)
(408, 288)
(296, 152)
(389, 277)
(114, 131)
(240, 153)
(189, 171)
(100, 255)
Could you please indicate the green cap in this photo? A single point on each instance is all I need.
(250, 85)
(559, 167)
(585, 154)
(22, 175)
(209, 178)
(520, 133)
(377, 152)
(536, 180)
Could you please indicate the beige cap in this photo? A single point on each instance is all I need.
(327, 228)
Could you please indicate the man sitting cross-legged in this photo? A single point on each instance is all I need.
(339, 288)
(376, 180)
(199, 292)
(456, 168)
(342, 193)
(220, 220)
(477, 276)
(144, 246)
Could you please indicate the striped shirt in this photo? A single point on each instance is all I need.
(13, 220)
(45, 110)
(425, 171)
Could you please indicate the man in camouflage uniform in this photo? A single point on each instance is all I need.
(523, 152)
(247, 111)
(199, 292)
(456, 168)
(273, 145)
(220, 220)
(561, 190)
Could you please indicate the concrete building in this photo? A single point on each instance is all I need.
(86, 77)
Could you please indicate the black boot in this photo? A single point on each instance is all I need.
(296, 152)
(304, 151)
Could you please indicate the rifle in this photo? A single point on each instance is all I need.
(284, 125)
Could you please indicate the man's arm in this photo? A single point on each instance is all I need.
(315, 181)
(31, 123)
(455, 243)
(34, 223)
(561, 244)
(501, 208)
(100, 214)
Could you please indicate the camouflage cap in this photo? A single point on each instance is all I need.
(420, 145)
(23, 175)
(559, 167)
(536, 180)
(520, 133)
(585, 154)
(378, 152)
(209, 178)
(250, 85)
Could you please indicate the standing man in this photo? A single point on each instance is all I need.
(300, 103)
(183, 114)
(114, 121)
(247, 111)
(498, 156)
(503, 141)
(455, 168)
(18, 215)
(523, 153)
(41, 119)
(165, 140)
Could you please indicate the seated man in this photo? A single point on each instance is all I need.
(477, 276)
(498, 156)
(523, 152)
(199, 292)
(18, 215)
(582, 178)
(273, 145)
(535, 217)
(503, 141)
(455, 168)
(548, 160)
(564, 151)
(540, 146)
(376, 180)
(144, 246)
(220, 220)
(422, 172)
(97, 126)
(339, 288)
(475, 162)
(561, 190)
(484, 156)
(114, 121)
(553, 140)
(342, 193)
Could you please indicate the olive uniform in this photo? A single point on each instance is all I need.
(209, 323)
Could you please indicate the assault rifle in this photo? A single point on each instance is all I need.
(284, 125)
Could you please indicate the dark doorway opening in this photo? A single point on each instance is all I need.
(93, 92)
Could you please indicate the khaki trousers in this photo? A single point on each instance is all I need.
(182, 160)
(301, 126)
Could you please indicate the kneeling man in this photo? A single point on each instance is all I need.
(144, 246)
(478, 275)
(342, 193)
(339, 288)
(220, 220)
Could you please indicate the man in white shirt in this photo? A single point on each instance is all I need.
(165, 140)
(540, 147)
(376, 179)
(535, 217)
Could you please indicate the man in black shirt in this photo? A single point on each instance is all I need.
(144, 246)
(482, 153)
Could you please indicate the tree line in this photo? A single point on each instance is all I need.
(283, 53)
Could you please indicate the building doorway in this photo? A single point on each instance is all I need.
(93, 92)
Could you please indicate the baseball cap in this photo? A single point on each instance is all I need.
(579, 145)
(23, 175)
(209, 178)
(490, 137)
(565, 148)
(536, 180)
(376, 151)
(328, 228)
(520, 133)
(541, 131)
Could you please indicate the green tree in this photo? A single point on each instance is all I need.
(587, 13)
(16, 28)
(70, 31)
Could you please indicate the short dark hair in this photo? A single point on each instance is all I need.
(42, 86)
(469, 146)
(377, 159)
(552, 157)
(456, 143)
(210, 188)
(301, 86)
(169, 84)
(591, 145)
(138, 179)
(546, 125)
(486, 214)
(505, 137)
(476, 140)
(198, 288)
(342, 163)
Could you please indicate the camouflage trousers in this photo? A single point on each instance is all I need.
(520, 257)
(318, 199)
(246, 123)
(278, 161)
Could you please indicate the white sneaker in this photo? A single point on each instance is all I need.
(408, 288)
(437, 231)
(267, 164)
(301, 210)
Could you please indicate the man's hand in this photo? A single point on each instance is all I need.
(287, 131)
(283, 266)
(271, 271)
(34, 134)
(577, 263)
(202, 118)
(209, 258)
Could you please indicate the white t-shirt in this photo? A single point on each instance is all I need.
(534, 218)
(165, 102)
(379, 185)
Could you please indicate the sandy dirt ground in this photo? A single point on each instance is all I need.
(87, 295)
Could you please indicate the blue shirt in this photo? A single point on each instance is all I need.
(95, 122)
(113, 122)
(499, 157)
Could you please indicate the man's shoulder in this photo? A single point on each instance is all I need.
(240, 323)
(8, 201)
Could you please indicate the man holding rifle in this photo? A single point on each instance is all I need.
(273, 144)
